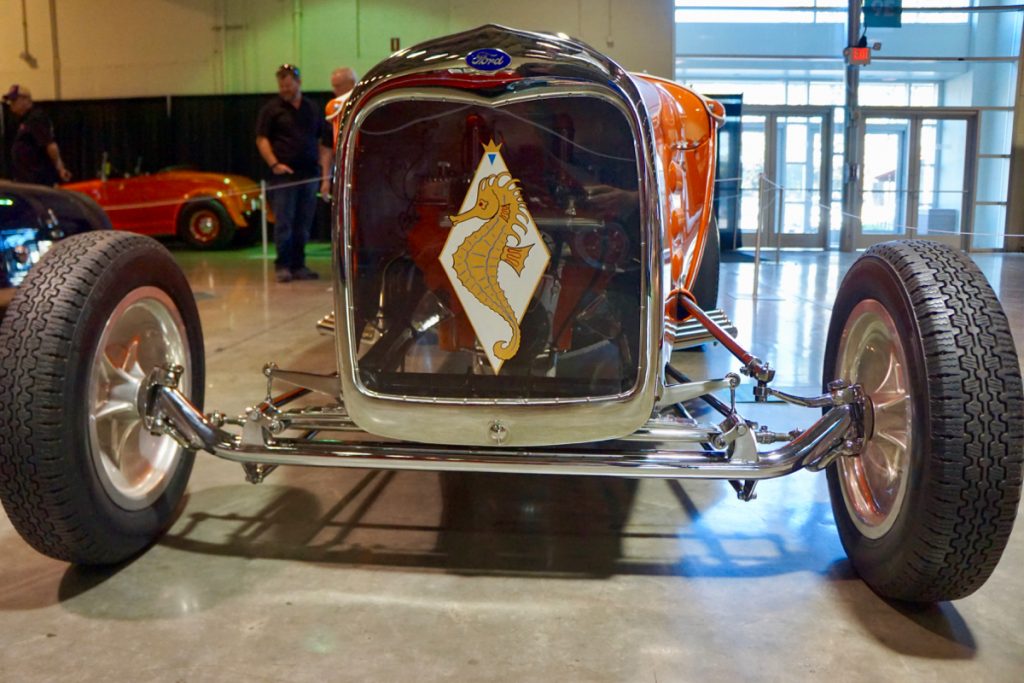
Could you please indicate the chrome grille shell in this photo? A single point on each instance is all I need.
(545, 65)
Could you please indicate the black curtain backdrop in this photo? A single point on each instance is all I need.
(217, 134)
(206, 132)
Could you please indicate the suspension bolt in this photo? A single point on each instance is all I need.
(498, 432)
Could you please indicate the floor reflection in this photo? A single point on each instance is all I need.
(510, 525)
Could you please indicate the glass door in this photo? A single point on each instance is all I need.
(916, 175)
(885, 176)
(942, 199)
(787, 175)
(752, 158)
(803, 162)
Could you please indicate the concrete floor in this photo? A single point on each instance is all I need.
(328, 575)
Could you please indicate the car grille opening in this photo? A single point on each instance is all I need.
(467, 221)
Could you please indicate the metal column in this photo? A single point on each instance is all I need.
(1015, 194)
(851, 142)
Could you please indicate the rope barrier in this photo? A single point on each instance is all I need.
(258, 192)
(905, 228)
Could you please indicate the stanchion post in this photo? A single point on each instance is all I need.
(263, 215)
(781, 213)
(735, 222)
(760, 228)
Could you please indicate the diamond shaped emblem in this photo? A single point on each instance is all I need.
(495, 257)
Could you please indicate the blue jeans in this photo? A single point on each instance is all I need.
(294, 209)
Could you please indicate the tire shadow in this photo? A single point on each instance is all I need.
(543, 526)
(928, 631)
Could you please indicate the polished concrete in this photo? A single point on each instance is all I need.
(331, 575)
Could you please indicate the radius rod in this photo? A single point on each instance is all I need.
(752, 365)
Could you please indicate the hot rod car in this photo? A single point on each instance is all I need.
(203, 209)
(519, 229)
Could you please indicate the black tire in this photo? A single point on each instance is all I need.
(93, 215)
(52, 485)
(944, 534)
(705, 287)
(206, 224)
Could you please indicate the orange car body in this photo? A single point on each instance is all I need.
(152, 204)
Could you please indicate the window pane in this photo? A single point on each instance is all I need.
(827, 93)
(996, 132)
(743, 16)
(924, 94)
(944, 144)
(989, 227)
(883, 94)
(927, 185)
(753, 93)
(796, 141)
(993, 179)
(796, 92)
(803, 11)
(752, 166)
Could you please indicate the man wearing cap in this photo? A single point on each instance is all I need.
(35, 156)
(288, 136)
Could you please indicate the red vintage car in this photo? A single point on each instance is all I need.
(203, 209)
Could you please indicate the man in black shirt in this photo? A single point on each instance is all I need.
(35, 156)
(288, 136)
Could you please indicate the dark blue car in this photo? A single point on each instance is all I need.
(33, 217)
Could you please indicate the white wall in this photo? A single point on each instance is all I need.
(111, 48)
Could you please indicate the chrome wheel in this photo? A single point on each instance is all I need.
(144, 331)
(874, 483)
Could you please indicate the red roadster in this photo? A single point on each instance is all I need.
(203, 209)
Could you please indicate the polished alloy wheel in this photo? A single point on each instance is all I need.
(144, 331)
(874, 483)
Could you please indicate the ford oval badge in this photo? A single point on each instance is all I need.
(488, 59)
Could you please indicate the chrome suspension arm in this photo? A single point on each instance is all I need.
(171, 413)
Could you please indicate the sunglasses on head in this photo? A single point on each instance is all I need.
(288, 69)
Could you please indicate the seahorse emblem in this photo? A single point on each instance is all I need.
(494, 227)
